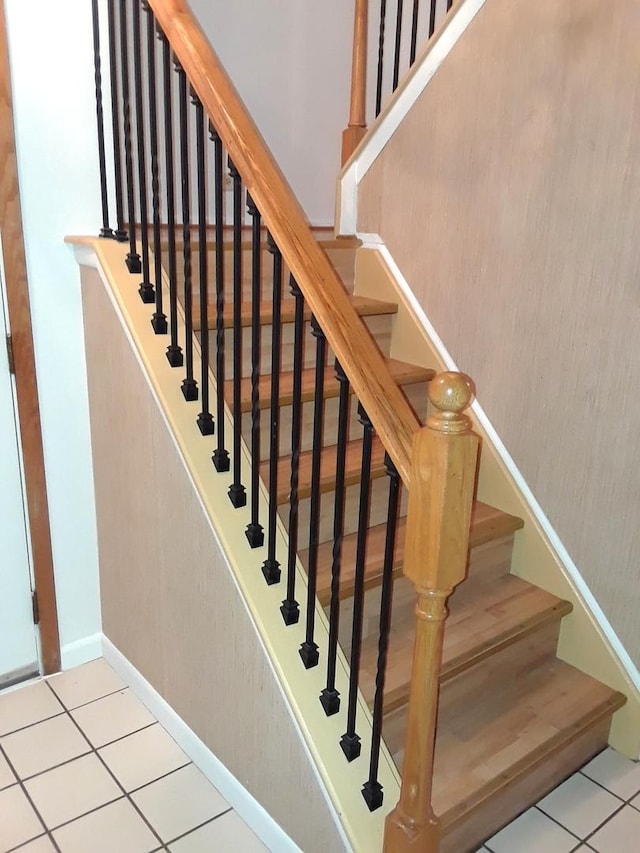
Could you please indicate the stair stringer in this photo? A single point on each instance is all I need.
(587, 639)
(346, 817)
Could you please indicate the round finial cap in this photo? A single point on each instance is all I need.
(450, 393)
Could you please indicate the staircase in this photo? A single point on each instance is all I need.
(514, 720)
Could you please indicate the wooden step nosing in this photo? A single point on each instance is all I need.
(530, 762)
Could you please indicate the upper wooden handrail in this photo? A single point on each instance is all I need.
(394, 420)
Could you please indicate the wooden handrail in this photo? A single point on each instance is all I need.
(357, 126)
(393, 418)
(443, 477)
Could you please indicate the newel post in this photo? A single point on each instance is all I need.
(443, 467)
(357, 126)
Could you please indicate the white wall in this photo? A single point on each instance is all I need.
(52, 69)
(291, 64)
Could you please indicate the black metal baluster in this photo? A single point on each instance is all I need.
(271, 567)
(372, 789)
(432, 17)
(449, 4)
(350, 741)
(254, 532)
(309, 649)
(120, 232)
(133, 258)
(414, 32)
(159, 320)
(106, 230)
(205, 418)
(145, 290)
(330, 697)
(189, 385)
(396, 54)
(174, 351)
(383, 14)
(237, 493)
(290, 608)
(220, 456)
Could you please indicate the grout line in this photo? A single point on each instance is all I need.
(557, 822)
(122, 737)
(164, 776)
(600, 785)
(31, 725)
(46, 829)
(600, 825)
(195, 828)
(122, 689)
(56, 766)
(86, 814)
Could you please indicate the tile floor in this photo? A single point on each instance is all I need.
(85, 768)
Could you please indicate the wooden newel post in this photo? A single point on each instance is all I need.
(443, 468)
(357, 126)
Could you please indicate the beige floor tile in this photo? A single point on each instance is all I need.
(143, 757)
(113, 717)
(40, 845)
(532, 832)
(7, 777)
(621, 834)
(179, 802)
(579, 804)
(227, 832)
(26, 706)
(616, 772)
(116, 828)
(18, 820)
(72, 790)
(44, 745)
(85, 683)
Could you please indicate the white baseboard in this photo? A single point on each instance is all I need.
(81, 651)
(248, 808)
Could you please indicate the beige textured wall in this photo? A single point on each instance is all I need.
(169, 602)
(510, 198)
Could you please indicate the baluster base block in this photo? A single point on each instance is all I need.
(372, 794)
(106, 233)
(255, 535)
(290, 612)
(271, 571)
(159, 324)
(147, 293)
(205, 423)
(189, 390)
(237, 495)
(330, 701)
(134, 264)
(120, 236)
(174, 356)
(351, 746)
(221, 461)
(309, 654)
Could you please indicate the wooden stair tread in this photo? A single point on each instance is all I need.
(487, 523)
(327, 469)
(486, 745)
(499, 612)
(402, 372)
(364, 306)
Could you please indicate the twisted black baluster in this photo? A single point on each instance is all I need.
(205, 418)
(237, 493)
(120, 233)
(159, 320)
(330, 697)
(432, 17)
(271, 567)
(414, 31)
(383, 13)
(106, 230)
(372, 789)
(290, 608)
(133, 258)
(254, 532)
(309, 649)
(220, 456)
(174, 352)
(145, 290)
(396, 54)
(350, 741)
(189, 385)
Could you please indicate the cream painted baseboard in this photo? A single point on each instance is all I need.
(238, 797)
(81, 651)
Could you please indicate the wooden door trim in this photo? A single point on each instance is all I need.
(25, 370)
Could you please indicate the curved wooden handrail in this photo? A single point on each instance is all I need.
(394, 420)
